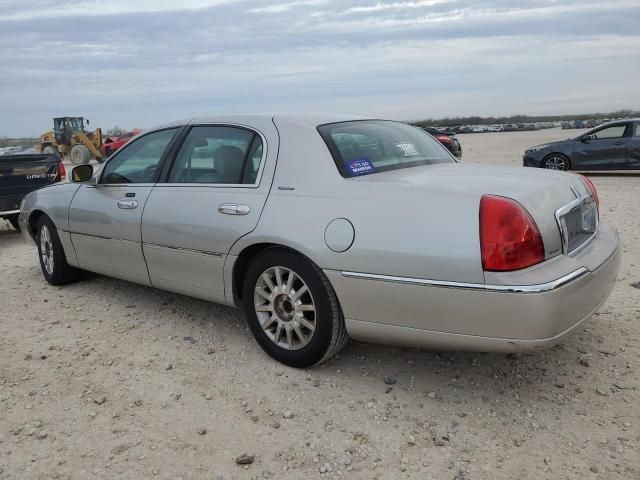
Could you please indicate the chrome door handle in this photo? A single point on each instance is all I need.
(127, 204)
(234, 209)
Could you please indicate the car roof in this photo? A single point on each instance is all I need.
(310, 119)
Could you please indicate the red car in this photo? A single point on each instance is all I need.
(111, 144)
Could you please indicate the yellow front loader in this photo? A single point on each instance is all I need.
(69, 139)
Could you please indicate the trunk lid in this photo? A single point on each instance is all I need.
(541, 192)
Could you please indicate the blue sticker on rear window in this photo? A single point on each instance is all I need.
(362, 166)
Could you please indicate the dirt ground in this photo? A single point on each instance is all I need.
(107, 379)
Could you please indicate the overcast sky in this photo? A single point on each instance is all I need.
(144, 62)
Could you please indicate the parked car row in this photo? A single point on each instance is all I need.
(507, 127)
(575, 124)
(614, 146)
(400, 244)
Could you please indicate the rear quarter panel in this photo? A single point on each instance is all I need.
(398, 230)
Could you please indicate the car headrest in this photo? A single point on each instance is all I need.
(228, 161)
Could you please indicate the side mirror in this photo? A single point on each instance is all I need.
(87, 121)
(82, 173)
(586, 138)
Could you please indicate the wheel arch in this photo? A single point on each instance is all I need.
(244, 258)
(32, 221)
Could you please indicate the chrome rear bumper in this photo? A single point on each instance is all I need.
(506, 316)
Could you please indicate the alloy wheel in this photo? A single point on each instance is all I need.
(285, 308)
(46, 249)
(555, 162)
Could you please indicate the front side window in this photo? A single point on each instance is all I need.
(615, 131)
(218, 154)
(138, 162)
(370, 146)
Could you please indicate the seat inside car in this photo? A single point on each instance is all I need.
(228, 164)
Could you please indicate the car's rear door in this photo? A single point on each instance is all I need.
(214, 193)
(104, 218)
(605, 148)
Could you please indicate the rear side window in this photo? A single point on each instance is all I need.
(218, 154)
(369, 146)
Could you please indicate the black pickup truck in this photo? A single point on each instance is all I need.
(23, 173)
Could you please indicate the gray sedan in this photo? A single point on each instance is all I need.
(611, 146)
(325, 227)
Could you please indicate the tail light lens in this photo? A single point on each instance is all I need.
(444, 139)
(592, 189)
(509, 237)
(61, 170)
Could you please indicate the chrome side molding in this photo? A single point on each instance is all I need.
(537, 288)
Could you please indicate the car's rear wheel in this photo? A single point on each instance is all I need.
(556, 161)
(53, 262)
(292, 310)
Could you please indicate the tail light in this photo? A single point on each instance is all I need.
(444, 139)
(509, 237)
(592, 189)
(61, 170)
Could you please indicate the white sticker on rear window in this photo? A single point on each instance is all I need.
(407, 149)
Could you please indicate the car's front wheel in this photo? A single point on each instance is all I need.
(53, 262)
(556, 161)
(292, 310)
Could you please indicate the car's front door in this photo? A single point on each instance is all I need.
(213, 195)
(603, 149)
(104, 218)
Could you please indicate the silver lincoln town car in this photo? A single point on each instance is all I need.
(325, 227)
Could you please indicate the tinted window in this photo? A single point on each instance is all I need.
(217, 154)
(616, 131)
(370, 146)
(138, 162)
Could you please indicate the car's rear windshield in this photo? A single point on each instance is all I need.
(363, 147)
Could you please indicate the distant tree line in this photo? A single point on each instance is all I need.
(476, 120)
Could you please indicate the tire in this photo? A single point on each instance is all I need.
(13, 220)
(50, 150)
(80, 155)
(295, 344)
(53, 262)
(556, 161)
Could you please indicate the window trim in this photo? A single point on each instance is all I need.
(625, 134)
(263, 160)
(165, 154)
